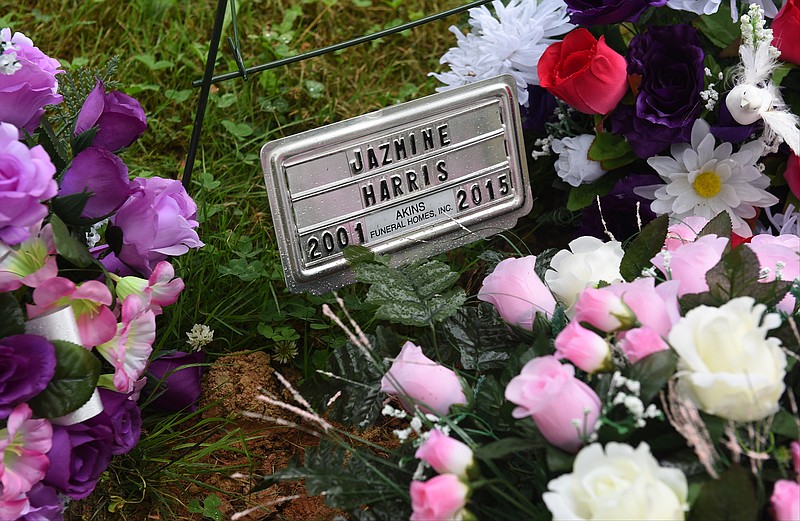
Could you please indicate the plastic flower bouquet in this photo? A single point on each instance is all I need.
(648, 368)
(84, 272)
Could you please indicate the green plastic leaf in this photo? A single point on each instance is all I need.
(77, 372)
(506, 446)
(69, 208)
(611, 150)
(720, 226)
(53, 145)
(481, 338)
(68, 246)
(731, 497)
(652, 372)
(83, 140)
(13, 322)
(719, 27)
(643, 248)
(785, 424)
(585, 195)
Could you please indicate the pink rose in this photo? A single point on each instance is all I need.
(445, 455)
(785, 500)
(654, 306)
(564, 408)
(779, 255)
(584, 72)
(418, 379)
(690, 263)
(517, 292)
(603, 310)
(794, 448)
(684, 231)
(585, 349)
(441, 498)
(640, 342)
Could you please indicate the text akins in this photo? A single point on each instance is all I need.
(396, 185)
(370, 156)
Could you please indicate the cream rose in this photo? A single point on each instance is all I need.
(728, 366)
(587, 261)
(618, 483)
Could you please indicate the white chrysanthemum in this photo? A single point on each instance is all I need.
(705, 180)
(512, 43)
(712, 6)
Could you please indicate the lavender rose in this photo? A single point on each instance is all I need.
(120, 118)
(27, 81)
(669, 61)
(101, 173)
(601, 12)
(26, 180)
(45, 504)
(157, 221)
(178, 379)
(123, 416)
(80, 454)
(29, 363)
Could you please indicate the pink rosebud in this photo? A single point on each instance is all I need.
(654, 306)
(445, 455)
(794, 448)
(585, 349)
(785, 501)
(777, 256)
(440, 498)
(640, 342)
(602, 309)
(684, 232)
(419, 379)
(690, 263)
(564, 408)
(517, 292)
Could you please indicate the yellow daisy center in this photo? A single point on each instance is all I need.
(707, 184)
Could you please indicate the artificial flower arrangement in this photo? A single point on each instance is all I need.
(646, 370)
(84, 272)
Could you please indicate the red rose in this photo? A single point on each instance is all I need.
(792, 174)
(584, 72)
(786, 31)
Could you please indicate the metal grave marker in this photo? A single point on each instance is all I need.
(412, 180)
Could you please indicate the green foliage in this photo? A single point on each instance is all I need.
(585, 195)
(719, 27)
(652, 372)
(209, 508)
(731, 497)
(611, 150)
(68, 246)
(77, 371)
(481, 338)
(643, 248)
(13, 322)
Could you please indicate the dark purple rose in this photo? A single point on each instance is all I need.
(541, 105)
(101, 173)
(123, 416)
(120, 118)
(601, 12)
(80, 454)
(28, 364)
(177, 387)
(619, 210)
(26, 179)
(728, 129)
(30, 85)
(45, 504)
(157, 221)
(669, 61)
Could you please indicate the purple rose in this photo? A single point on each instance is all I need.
(101, 173)
(123, 416)
(157, 221)
(45, 504)
(120, 118)
(25, 181)
(669, 61)
(601, 12)
(80, 454)
(178, 386)
(28, 83)
(29, 363)
(619, 207)
(728, 129)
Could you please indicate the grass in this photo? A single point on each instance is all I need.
(235, 283)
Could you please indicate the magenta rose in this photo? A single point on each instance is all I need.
(120, 118)
(445, 454)
(30, 85)
(440, 498)
(157, 221)
(103, 175)
(785, 500)
(79, 455)
(517, 292)
(178, 379)
(415, 377)
(123, 416)
(29, 363)
(26, 179)
(564, 408)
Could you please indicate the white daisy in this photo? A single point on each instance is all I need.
(705, 180)
(512, 43)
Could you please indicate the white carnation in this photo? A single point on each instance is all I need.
(573, 164)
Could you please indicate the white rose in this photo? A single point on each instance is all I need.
(589, 261)
(727, 365)
(621, 483)
(574, 165)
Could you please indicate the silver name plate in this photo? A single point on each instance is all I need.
(414, 180)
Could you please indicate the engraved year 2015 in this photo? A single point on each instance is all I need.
(482, 191)
(329, 242)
